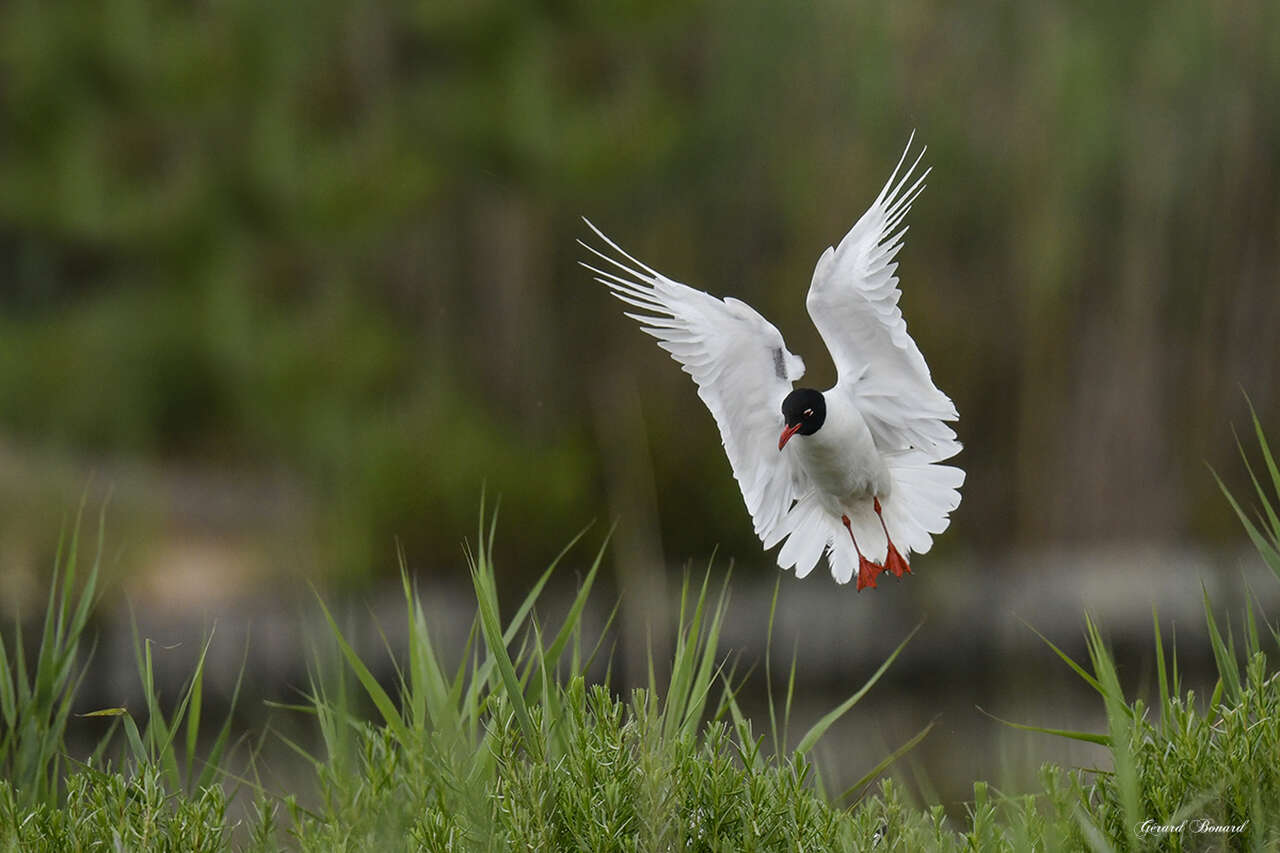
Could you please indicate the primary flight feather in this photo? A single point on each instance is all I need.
(851, 472)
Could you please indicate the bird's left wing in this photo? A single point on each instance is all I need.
(741, 366)
(853, 301)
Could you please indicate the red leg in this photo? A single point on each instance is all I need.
(893, 561)
(867, 570)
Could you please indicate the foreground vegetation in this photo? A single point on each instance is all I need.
(514, 749)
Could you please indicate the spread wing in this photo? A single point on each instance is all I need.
(853, 301)
(742, 368)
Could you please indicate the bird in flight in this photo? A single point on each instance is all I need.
(851, 472)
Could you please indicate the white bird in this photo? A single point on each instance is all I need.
(851, 472)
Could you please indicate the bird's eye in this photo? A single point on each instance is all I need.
(808, 413)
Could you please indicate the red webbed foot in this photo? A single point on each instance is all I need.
(895, 563)
(867, 570)
(867, 573)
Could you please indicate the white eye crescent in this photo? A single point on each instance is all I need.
(808, 413)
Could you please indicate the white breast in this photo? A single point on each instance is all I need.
(841, 457)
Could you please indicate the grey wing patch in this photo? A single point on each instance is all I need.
(779, 363)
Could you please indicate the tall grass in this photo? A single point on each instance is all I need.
(511, 747)
(514, 747)
(36, 702)
(1203, 774)
(1263, 524)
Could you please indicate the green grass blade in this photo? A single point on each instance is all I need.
(301, 751)
(768, 670)
(415, 692)
(791, 691)
(706, 673)
(1094, 834)
(819, 728)
(1077, 668)
(49, 656)
(158, 735)
(1086, 737)
(213, 761)
(527, 604)
(1272, 469)
(20, 663)
(135, 740)
(604, 634)
(191, 707)
(579, 602)
(383, 702)
(861, 784)
(1252, 638)
(434, 704)
(1120, 723)
(742, 728)
(8, 699)
(1262, 443)
(88, 595)
(484, 553)
(1228, 669)
(1272, 522)
(68, 579)
(491, 627)
(1269, 552)
(1162, 677)
(105, 742)
(684, 660)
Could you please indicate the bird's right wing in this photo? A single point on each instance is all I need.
(742, 368)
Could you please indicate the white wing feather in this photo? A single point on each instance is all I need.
(742, 369)
(853, 301)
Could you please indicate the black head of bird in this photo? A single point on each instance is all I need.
(803, 410)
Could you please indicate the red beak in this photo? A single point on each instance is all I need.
(786, 435)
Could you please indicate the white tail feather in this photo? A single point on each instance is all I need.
(809, 533)
(924, 494)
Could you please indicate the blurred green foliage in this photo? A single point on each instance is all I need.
(337, 241)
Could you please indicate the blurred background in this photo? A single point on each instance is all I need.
(294, 281)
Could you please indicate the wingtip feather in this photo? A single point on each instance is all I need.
(652, 273)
